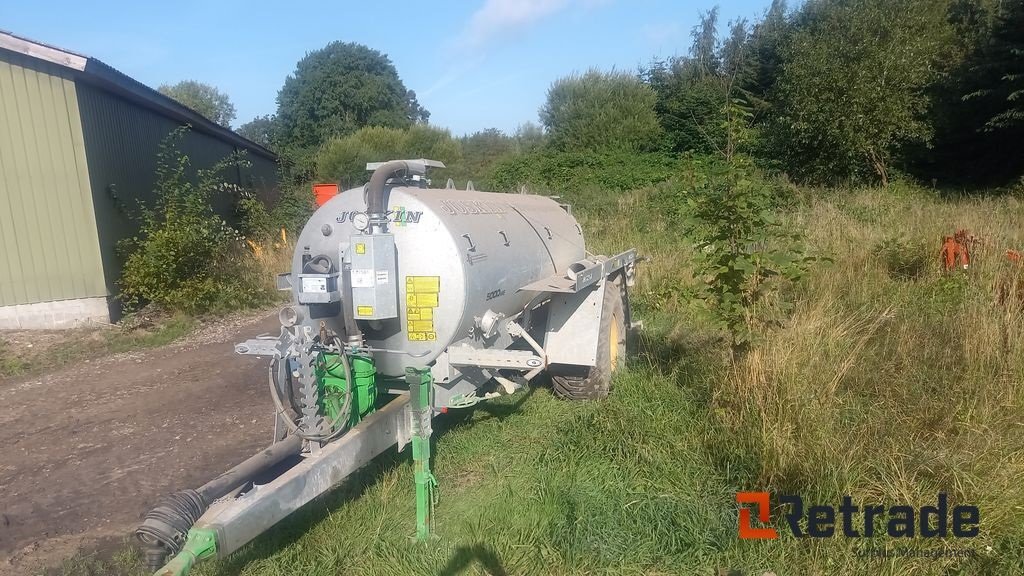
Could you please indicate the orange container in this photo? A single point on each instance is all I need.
(324, 192)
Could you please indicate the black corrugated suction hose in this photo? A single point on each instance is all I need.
(163, 531)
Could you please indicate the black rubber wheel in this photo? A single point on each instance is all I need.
(594, 383)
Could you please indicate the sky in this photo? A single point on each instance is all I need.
(474, 64)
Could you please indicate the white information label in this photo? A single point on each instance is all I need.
(314, 285)
(362, 278)
(382, 276)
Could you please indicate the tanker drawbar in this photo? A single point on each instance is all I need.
(407, 302)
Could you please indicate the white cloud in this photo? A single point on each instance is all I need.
(501, 18)
(495, 21)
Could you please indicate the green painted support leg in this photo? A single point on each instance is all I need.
(420, 387)
(200, 544)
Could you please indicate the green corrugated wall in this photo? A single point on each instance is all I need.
(123, 140)
(50, 250)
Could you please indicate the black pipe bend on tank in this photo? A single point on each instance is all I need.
(375, 189)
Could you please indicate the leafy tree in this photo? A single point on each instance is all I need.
(971, 21)
(978, 109)
(688, 104)
(999, 70)
(488, 142)
(705, 51)
(335, 91)
(764, 48)
(482, 150)
(695, 91)
(853, 90)
(344, 159)
(202, 98)
(601, 111)
(261, 130)
(742, 248)
(528, 136)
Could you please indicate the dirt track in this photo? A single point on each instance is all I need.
(85, 451)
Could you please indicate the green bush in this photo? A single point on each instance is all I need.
(903, 259)
(293, 208)
(261, 224)
(570, 172)
(741, 247)
(344, 159)
(255, 221)
(185, 257)
(601, 111)
(484, 150)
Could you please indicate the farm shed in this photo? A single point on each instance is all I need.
(78, 147)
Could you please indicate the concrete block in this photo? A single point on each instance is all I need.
(58, 314)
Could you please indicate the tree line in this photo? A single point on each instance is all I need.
(830, 92)
(854, 90)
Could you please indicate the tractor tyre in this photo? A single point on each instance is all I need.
(594, 383)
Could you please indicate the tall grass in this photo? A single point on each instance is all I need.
(892, 389)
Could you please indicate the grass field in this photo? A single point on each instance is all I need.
(889, 381)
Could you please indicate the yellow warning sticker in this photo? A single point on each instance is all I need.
(364, 310)
(422, 300)
(423, 284)
(360, 248)
(421, 297)
(421, 325)
(420, 313)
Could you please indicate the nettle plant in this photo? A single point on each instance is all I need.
(185, 256)
(741, 247)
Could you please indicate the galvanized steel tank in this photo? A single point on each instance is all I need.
(463, 250)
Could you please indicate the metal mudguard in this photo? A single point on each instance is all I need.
(573, 331)
(574, 316)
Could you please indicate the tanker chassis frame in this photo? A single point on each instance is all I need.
(222, 516)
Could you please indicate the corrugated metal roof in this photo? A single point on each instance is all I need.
(96, 72)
